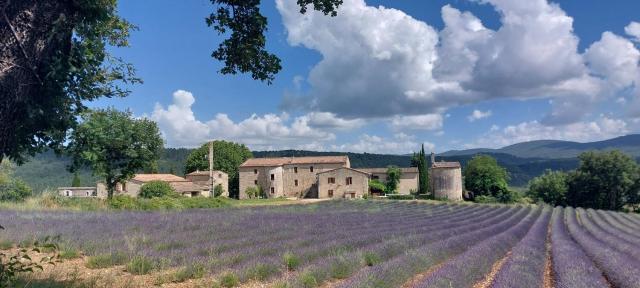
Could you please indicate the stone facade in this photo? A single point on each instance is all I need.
(132, 187)
(287, 176)
(408, 179)
(202, 178)
(343, 183)
(445, 179)
(78, 191)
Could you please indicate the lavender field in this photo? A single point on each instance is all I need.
(359, 243)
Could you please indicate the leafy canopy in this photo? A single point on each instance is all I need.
(550, 187)
(483, 176)
(156, 188)
(115, 145)
(393, 179)
(11, 188)
(227, 157)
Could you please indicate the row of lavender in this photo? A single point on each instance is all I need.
(364, 243)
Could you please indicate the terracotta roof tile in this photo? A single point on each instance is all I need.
(262, 162)
(384, 170)
(204, 173)
(346, 168)
(159, 177)
(185, 187)
(445, 165)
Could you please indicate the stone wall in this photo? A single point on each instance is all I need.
(446, 183)
(359, 184)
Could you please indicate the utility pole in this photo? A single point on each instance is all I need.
(211, 192)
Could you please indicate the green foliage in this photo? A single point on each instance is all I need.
(400, 197)
(550, 187)
(123, 202)
(291, 261)
(227, 157)
(261, 271)
(156, 188)
(76, 180)
(308, 280)
(140, 265)
(254, 192)
(420, 160)
(424, 196)
(218, 191)
(12, 189)
(375, 186)
(69, 66)
(244, 51)
(393, 179)
(14, 264)
(483, 176)
(604, 180)
(191, 271)
(229, 280)
(371, 258)
(115, 145)
(106, 260)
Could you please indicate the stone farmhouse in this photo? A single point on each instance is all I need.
(195, 184)
(408, 179)
(314, 177)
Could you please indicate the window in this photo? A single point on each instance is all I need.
(255, 182)
(331, 180)
(273, 177)
(87, 193)
(273, 190)
(376, 177)
(349, 181)
(295, 169)
(311, 169)
(330, 192)
(68, 193)
(295, 182)
(255, 171)
(124, 186)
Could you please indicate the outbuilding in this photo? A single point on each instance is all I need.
(343, 182)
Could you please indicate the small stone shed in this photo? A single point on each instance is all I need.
(446, 180)
(78, 191)
(343, 182)
(133, 186)
(202, 178)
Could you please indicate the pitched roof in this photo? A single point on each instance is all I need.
(186, 187)
(384, 170)
(205, 173)
(355, 170)
(266, 162)
(445, 165)
(158, 177)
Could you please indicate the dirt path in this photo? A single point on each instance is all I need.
(488, 280)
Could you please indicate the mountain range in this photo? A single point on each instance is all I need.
(523, 160)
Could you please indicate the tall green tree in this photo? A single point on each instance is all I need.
(115, 145)
(53, 62)
(604, 180)
(227, 157)
(550, 187)
(57, 59)
(483, 176)
(393, 179)
(420, 160)
(76, 180)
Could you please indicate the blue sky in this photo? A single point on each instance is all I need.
(387, 76)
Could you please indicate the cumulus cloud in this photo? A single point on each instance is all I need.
(633, 30)
(599, 129)
(477, 115)
(389, 64)
(400, 143)
(417, 122)
(180, 127)
(329, 120)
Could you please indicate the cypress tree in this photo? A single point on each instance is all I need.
(423, 173)
(76, 180)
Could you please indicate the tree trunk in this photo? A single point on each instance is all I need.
(28, 45)
(111, 186)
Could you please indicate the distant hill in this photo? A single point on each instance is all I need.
(523, 160)
(554, 149)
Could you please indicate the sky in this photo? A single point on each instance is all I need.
(385, 76)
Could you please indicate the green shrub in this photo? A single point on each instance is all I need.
(218, 191)
(139, 265)
(156, 188)
(106, 260)
(123, 202)
(69, 253)
(254, 192)
(261, 272)
(375, 186)
(486, 199)
(371, 258)
(193, 271)
(307, 280)
(291, 261)
(400, 197)
(424, 197)
(14, 190)
(342, 268)
(229, 280)
(5, 244)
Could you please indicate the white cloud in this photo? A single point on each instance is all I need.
(477, 115)
(417, 122)
(329, 120)
(180, 127)
(599, 129)
(388, 64)
(400, 143)
(633, 30)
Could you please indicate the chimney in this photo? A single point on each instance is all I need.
(433, 158)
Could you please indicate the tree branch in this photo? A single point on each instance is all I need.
(15, 35)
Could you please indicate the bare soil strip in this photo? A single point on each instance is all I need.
(549, 280)
(419, 277)
(491, 276)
